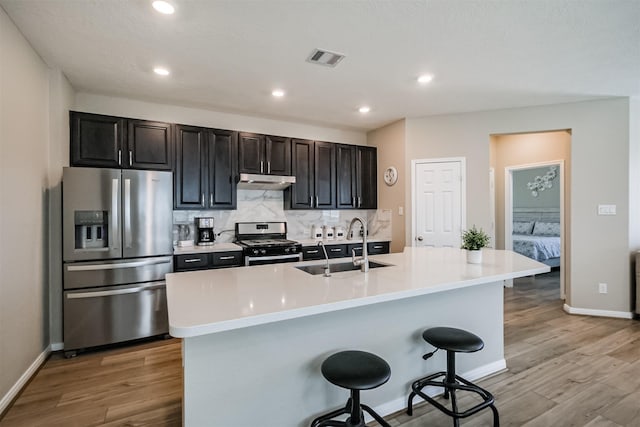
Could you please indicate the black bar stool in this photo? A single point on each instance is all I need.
(453, 341)
(353, 370)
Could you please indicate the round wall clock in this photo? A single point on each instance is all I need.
(390, 175)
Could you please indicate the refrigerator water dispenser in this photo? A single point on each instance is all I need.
(91, 229)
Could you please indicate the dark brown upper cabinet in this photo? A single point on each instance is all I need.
(150, 145)
(313, 164)
(191, 171)
(357, 186)
(96, 140)
(205, 170)
(264, 154)
(222, 147)
(367, 178)
(116, 142)
(346, 193)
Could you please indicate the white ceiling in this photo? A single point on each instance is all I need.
(228, 55)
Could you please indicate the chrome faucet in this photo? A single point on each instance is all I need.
(363, 262)
(327, 272)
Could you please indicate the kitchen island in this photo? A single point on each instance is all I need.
(255, 337)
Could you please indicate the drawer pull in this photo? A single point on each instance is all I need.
(192, 260)
(336, 250)
(223, 258)
(378, 247)
(313, 252)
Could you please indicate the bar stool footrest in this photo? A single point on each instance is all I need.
(418, 385)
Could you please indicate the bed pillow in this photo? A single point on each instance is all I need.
(546, 229)
(522, 227)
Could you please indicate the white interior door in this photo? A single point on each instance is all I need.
(438, 202)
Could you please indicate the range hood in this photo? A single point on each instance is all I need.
(254, 181)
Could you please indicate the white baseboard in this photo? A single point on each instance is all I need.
(57, 346)
(599, 313)
(400, 404)
(13, 391)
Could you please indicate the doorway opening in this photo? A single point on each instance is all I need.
(532, 193)
(534, 220)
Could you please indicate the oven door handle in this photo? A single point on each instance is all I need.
(248, 259)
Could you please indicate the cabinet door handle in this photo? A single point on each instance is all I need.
(359, 201)
(130, 158)
(187, 261)
(310, 201)
(224, 258)
(268, 167)
(313, 252)
(202, 202)
(261, 166)
(317, 201)
(210, 199)
(353, 201)
(119, 157)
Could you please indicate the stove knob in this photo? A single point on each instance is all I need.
(294, 249)
(255, 252)
(263, 251)
(286, 250)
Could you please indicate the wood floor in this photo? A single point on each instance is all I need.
(563, 371)
(134, 386)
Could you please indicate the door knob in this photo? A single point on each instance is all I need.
(419, 238)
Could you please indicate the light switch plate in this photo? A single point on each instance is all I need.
(606, 209)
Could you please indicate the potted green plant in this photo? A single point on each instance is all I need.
(473, 240)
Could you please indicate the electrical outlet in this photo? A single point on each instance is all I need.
(400, 210)
(602, 287)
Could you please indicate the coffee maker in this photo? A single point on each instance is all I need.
(204, 234)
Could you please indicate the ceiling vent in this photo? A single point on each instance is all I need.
(324, 57)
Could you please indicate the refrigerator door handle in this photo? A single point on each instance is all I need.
(114, 233)
(127, 213)
(133, 290)
(120, 265)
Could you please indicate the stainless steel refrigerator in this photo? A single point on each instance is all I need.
(117, 248)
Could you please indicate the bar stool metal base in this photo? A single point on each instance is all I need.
(356, 418)
(451, 383)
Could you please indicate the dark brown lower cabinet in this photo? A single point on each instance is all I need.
(206, 261)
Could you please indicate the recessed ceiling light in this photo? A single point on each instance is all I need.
(278, 93)
(425, 78)
(161, 71)
(364, 109)
(163, 7)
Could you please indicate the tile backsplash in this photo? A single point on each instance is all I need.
(265, 205)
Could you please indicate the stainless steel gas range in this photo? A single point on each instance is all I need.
(266, 243)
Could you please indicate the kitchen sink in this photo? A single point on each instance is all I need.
(338, 267)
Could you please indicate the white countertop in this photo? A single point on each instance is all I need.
(216, 247)
(209, 301)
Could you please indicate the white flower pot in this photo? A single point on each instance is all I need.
(474, 257)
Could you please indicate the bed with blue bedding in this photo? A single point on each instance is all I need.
(539, 240)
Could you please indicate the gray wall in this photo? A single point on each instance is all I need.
(600, 136)
(522, 197)
(24, 130)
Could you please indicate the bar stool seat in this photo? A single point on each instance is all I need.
(353, 370)
(453, 341)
